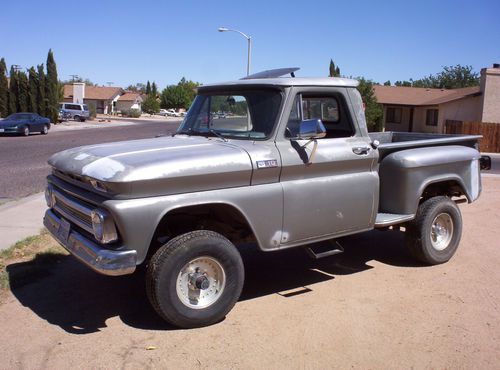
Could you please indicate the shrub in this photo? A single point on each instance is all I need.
(133, 113)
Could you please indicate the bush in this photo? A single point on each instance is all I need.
(92, 111)
(132, 113)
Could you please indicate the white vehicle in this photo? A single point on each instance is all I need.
(163, 112)
(79, 112)
(172, 113)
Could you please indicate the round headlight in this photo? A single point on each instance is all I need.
(97, 223)
(50, 197)
(103, 226)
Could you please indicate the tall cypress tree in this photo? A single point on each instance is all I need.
(22, 97)
(154, 89)
(4, 89)
(52, 87)
(32, 90)
(148, 88)
(40, 96)
(334, 71)
(13, 90)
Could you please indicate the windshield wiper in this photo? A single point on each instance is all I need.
(218, 134)
(191, 132)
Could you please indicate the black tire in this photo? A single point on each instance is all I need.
(77, 118)
(166, 294)
(45, 130)
(82, 119)
(26, 131)
(436, 244)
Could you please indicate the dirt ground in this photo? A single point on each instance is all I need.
(371, 307)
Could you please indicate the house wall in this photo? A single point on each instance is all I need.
(100, 105)
(127, 105)
(405, 119)
(467, 109)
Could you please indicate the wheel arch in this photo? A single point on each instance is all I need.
(224, 218)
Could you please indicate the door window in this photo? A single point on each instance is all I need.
(329, 109)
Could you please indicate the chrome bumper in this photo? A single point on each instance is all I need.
(104, 261)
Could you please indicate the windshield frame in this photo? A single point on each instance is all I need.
(233, 90)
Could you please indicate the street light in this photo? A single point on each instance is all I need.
(249, 39)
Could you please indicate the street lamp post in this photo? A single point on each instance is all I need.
(249, 39)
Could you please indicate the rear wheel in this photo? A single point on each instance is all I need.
(77, 118)
(195, 279)
(45, 130)
(433, 236)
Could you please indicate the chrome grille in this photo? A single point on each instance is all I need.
(73, 210)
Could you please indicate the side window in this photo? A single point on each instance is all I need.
(326, 109)
(330, 109)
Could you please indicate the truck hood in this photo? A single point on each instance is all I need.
(160, 166)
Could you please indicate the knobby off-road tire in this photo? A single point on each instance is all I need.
(433, 236)
(195, 279)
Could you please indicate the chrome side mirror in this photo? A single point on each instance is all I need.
(311, 129)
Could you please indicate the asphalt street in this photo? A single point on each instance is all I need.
(23, 160)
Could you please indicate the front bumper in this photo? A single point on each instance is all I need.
(104, 261)
(11, 130)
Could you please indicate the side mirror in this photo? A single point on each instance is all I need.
(311, 129)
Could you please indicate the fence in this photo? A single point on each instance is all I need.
(490, 143)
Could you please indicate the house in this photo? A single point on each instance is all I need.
(415, 109)
(129, 100)
(103, 98)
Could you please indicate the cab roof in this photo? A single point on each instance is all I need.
(274, 77)
(287, 82)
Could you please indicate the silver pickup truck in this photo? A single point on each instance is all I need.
(290, 163)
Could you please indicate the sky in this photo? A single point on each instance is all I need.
(126, 42)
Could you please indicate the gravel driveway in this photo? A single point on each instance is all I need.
(371, 307)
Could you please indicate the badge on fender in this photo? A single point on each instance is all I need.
(270, 163)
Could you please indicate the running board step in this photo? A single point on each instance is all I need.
(389, 219)
(322, 251)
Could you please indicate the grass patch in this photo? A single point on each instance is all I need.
(28, 260)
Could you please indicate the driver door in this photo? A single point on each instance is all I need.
(335, 194)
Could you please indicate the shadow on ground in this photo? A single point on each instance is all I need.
(80, 301)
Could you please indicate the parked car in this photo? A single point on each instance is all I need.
(163, 112)
(24, 124)
(79, 112)
(289, 175)
(172, 113)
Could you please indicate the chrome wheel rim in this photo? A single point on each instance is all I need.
(26, 131)
(441, 231)
(45, 129)
(200, 282)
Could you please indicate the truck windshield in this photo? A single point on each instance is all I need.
(249, 115)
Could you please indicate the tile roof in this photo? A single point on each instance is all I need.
(402, 95)
(95, 92)
(130, 96)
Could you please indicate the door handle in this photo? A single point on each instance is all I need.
(360, 150)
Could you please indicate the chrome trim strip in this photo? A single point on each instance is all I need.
(389, 219)
(104, 261)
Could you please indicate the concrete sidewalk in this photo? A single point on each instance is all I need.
(20, 219)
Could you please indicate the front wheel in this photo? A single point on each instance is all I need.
(433, 236)
(195, 279)
(26, 131)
